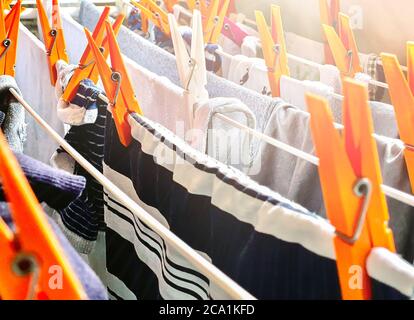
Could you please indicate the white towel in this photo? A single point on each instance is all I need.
(218, 139)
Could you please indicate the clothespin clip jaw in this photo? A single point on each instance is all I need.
(53, 37)
(32, 255)
(343, 47)
(117, 84)
(169, 4)
(350, 176)
(151, 11)
(401, 90)
(9, 33)
(214, 20)
(274, 48)
(191, 67)
(87, 68)
(232, 31)
(329, 12)
(199, 5)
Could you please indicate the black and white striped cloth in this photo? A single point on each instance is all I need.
(273, 248)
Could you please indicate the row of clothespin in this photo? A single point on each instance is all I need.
(29, 253)
(349, 165)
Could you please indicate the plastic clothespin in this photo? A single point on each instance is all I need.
(31, 256)
(214, 20)
(351, 180)
(53, 37)
(191, 67)
(343, 47)
(9, 33)
(329, 11)
(117, 84)
(199, 5)
(274, 48)
(151, 11)
(87, 65)
(169, 4)
(232, 31)
(7, 4)
(401, 92)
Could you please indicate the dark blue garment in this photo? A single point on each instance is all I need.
(213, 63)
(55, 187)
(134, 21)
(267, 267)
(85, 217)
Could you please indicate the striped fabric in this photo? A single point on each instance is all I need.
(273, 248)
(82, 220)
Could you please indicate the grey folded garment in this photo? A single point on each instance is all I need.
(13, 125)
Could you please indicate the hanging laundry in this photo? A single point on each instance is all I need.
(251, 234)
(294, 91)
(86, 114)
(220, 140)
(374, 69)
(250, 73)
(134, 21)
(160, 62)
(298, 180)
(13, 124)
(168, 105)
(55, 187)
(34, 83)
(2, 117)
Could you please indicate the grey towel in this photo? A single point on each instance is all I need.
(13, 126)
(298, 180)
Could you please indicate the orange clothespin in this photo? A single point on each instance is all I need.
(87, 65)
(117, 84)
(9, 33)
(53, 37)
(351, 180)
(199, 5)
(343, 47)
(150, 10)
(274, 48)
(329, 11)
(401, 92)
(31, 256)
(169, 4)
(6, 4)
(214, 20)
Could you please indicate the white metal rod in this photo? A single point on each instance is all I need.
(390, 192)
(212, 272)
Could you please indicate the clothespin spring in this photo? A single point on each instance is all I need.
(23, 265)
(192, 63)
(227, 27)
(363, 188)
(215, 22)
(53, 33)
(7, 44)
(84, 66)
(116, 77)
(350, 55)
(276, 49)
